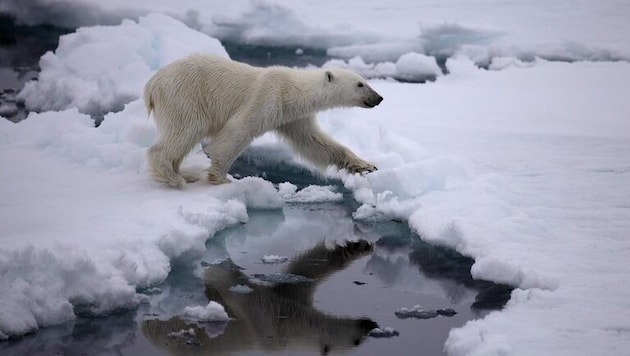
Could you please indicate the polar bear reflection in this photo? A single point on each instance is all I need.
(272, 317)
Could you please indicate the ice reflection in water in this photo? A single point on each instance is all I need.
(393, 268)
(273, 317)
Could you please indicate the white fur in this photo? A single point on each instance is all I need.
(232, 103)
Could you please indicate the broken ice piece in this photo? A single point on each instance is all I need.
(241, 289)
(183, 333)
(416, 312)
(274, 259)
(186, 335)
(384, 332)
(419, 312)
(211, 312)
(281, 278)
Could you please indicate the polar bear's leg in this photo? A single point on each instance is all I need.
(312, 143)
(225, 147)
(166, 156)
(162, 167)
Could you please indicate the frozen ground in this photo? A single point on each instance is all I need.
(523, 167)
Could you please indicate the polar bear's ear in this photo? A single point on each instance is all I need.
(329, 76)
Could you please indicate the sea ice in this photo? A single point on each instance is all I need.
(522, 168)
(211, 312)
(386, 332)
(419, 312)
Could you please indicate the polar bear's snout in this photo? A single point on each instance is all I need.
(372, 99)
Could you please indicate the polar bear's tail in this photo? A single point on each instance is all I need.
(148, 98)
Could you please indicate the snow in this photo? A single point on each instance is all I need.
(211, 312)
(523, 167)
(83, 73)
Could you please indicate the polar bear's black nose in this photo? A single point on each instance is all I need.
(378, 99)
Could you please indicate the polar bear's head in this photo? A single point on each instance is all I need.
(346, 88)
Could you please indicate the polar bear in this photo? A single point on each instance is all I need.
(231, 103)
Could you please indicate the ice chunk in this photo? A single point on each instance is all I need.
(241, 289)
(274, 259)
(281, 278)
(384, 332)
(211, 312)
(100, 69)
(419, 312)
(188, 336)
(183, 333)
(417, 67)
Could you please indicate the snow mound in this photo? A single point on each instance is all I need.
(211, 312)
(410, 67)
(310, 194)
(100, 69)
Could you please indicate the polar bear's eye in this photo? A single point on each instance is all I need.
(360, 85)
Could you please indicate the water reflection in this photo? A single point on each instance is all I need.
(442, 272)
(272, 317)
(102, 336)
(330, 313)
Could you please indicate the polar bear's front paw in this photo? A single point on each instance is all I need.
(360, 167)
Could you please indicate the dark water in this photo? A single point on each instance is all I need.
(20, 50)
(359, 272)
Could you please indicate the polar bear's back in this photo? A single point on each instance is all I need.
(199, 86)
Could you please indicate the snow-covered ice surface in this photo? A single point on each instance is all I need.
(523, 167)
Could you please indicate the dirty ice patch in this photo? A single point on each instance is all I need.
(310, 194)
(100, 69)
